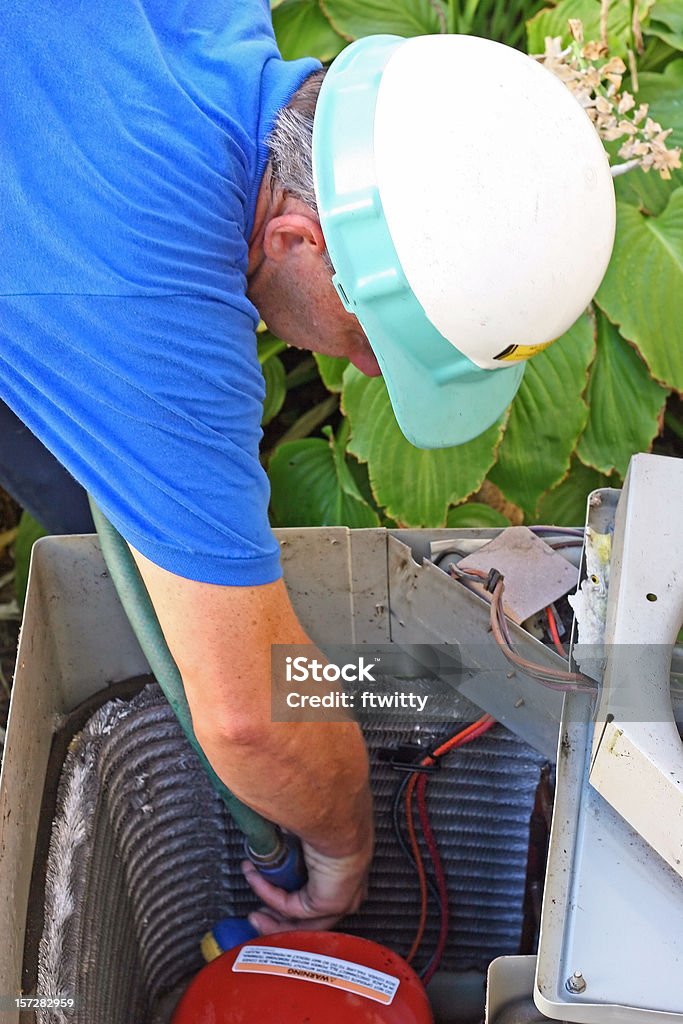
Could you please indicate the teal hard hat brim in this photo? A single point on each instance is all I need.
(439, 396)
(438, 406)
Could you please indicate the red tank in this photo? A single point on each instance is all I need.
(305, 978)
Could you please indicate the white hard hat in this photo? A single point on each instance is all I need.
(468, 209)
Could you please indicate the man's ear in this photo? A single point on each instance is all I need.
(293, 234)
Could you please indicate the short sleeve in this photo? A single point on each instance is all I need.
(154, 405)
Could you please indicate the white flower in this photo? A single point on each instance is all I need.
(597, 86)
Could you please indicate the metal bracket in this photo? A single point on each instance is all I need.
(613, 901)
(637, 762)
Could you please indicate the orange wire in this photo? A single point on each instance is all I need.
(554, 632)
(470, 733)
(460, 737)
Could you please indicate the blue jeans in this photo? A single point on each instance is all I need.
(41, 485)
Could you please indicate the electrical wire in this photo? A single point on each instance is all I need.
(554, 679)
(400, 838)
(574, 537)
(472, 732)
(554, 632)
(419, 867)
(572, 542)
(440, 876)
(571, 531)
(418, 780)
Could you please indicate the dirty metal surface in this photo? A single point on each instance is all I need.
(535, 574)
(428, 606)
(337, 581)
(613, 906)
(72, 614)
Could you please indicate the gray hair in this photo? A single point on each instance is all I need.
(291, 143)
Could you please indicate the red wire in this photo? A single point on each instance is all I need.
(418, 779)
(552, 625)
(419, 866)
(439, 876)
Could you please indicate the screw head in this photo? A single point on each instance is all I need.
(576, 983)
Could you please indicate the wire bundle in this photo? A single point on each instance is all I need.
(554, 678)
(416, 783)
(554, 632)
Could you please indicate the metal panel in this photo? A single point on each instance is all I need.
(613, 907)
(637, 759)
(509, 981)
(427, 606)
(75, 596)
(337, 582)
(72, 616)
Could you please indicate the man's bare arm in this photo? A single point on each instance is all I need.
(310, 778)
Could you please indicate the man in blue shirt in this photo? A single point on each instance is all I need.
(144, 226)
(157, 178)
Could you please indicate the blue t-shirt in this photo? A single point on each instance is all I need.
(132, 142)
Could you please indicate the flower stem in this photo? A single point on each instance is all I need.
(618, 169)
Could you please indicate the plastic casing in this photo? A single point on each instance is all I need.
(218, 995)
(467, 205)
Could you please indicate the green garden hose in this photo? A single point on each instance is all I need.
(263, 838)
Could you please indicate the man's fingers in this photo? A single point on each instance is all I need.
(286, 904)
(335, 887)
(291, 907)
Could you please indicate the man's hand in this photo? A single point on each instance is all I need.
(335, 887)
(311, 778)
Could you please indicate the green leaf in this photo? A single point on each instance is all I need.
(414, 485)
(311, 485)
(648, 192)
(625, 404)
(502, 20)
(565, 505)
(355, 18)
(475, 513)
(302, 30)
(268, 345)
(656, 55)
(547, 417)
(666, 21)
(552, 21)
(642, 291)
(30, 530)
(304, 371)
(276, 389)
(311, 419)
(664, 93)
(331, 369)
(662, 90)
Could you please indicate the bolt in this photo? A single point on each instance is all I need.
(576, 983)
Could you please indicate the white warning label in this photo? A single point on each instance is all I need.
(321, 970)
